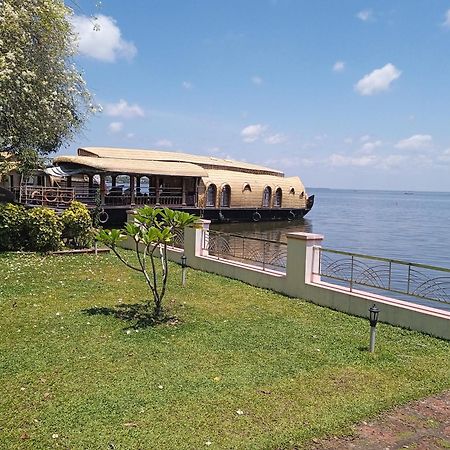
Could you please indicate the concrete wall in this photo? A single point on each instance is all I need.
(299, 282)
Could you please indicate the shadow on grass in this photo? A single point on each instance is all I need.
(139, 313)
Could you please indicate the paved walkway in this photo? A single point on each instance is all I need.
(421, 425)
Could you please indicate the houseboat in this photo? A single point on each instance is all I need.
(116, 180)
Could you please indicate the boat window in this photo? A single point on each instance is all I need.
(278, 198)
(267, 196)
(246, 188)
(292, 191)
(225, 196)
(211, 195)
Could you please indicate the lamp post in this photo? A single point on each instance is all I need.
(183, 270)
(373, 318)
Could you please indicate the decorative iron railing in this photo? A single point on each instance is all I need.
(401, 277)
(269, 255)
(178, 239)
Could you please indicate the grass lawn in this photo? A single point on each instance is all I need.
(243, 368)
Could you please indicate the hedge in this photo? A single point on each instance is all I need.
(41, 229)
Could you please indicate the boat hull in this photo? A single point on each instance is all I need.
(118, 216)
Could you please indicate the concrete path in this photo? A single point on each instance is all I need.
(421, 425)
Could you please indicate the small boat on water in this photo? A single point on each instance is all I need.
(117, 180)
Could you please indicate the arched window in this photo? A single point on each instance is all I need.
(292, 191)
(278, 198)
(302, 194)
(225, 196)
(246, 188)
(211, 194)
(267, 196)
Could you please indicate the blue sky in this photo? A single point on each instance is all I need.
(345, 94)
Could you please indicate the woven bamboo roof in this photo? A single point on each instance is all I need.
(156, 155)
(133, 166)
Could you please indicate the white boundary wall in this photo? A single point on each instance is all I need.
(299, 282)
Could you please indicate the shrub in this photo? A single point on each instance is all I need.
(77, 226)
(44, 230)
(12, 233)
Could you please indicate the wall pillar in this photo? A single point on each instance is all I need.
(193, 240)
(302, 261)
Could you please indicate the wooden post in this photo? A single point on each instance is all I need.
(183, 192)
(132, 190)
(157, 191)
(113, 180)
(102, 189)
(69, 182)
(91, 181)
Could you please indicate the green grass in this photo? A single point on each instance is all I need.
(72, 365)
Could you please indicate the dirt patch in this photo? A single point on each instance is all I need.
(421, 425)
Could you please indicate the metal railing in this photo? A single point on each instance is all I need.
(401, 277)
(178, 239)
(269, 255)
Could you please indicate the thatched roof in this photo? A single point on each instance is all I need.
(132, 166)
(206, 162)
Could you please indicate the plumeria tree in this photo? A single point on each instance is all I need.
(151, 230)
(44, 100)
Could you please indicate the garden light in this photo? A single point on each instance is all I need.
(373, 318)
(183, 270)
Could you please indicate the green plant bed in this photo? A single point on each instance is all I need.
(234, 366)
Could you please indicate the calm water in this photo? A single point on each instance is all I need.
(412, 226)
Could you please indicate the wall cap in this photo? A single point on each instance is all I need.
(305, 236)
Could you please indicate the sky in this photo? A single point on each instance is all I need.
(343, 93)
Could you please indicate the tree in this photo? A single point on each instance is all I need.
(44, 101)
(152, 230)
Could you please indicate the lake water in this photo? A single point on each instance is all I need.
(411, 226)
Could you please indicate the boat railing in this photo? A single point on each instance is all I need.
(264, 253)
(408, 279)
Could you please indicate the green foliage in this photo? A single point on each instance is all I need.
(44, 230)
(77, 226)
(152, 229)
(12, 221)
(44, 101)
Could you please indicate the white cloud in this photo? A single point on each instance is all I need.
(365, 138)
(392, 162)
(370, 146)
(101, 39)
(187, 85)
(123, 109)
(252, 133)
(338, 66)
(444, 156)
(348, 140)
(418, 141)
(378, 81)
(115, 127)
(130, 135)
(447, 19)
(274, 139)
(338, 160)
(164, 143)
(365, 15)
(256, 80)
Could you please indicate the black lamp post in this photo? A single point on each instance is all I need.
(183, 270)
(373, 318)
